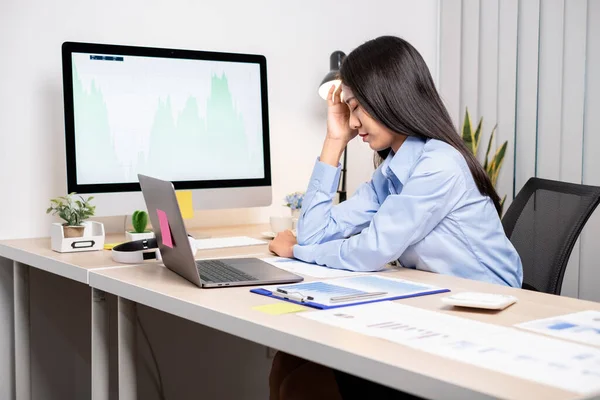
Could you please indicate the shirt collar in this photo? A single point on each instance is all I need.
(402, 163)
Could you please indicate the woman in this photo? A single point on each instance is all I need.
(429, 204)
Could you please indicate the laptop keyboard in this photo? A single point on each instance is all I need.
(218, 271)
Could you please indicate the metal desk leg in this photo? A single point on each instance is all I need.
(127, 322)
(7, 329)
(100, 346)
(22, 332)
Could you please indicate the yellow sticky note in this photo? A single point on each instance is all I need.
(109, 246)
(184, 198)
(283, 307)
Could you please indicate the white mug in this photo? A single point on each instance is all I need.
(280, 224)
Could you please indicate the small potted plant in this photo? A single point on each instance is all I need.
(294, 202)
(139, 220)
(74, 211)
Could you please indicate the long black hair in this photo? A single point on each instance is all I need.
(391, 81)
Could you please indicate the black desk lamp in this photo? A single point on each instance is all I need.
(332, 78)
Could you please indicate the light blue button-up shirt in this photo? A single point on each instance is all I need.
(421, 207)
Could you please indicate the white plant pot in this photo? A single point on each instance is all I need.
(131, 236)
(295, 218)
(92, 239)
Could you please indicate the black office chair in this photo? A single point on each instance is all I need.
(543, 223)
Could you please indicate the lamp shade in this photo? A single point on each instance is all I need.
(332, 77)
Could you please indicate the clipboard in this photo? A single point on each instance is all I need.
(395, 289)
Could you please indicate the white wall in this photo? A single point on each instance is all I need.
(296, 37)
(531, 66)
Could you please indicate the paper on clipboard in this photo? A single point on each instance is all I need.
(357, 289)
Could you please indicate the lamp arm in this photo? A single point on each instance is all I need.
(342, 189)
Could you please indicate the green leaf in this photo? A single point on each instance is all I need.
(467, 132)
(477, 136)
(498, 160)
(487, 153)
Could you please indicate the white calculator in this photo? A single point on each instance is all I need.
(488, 301)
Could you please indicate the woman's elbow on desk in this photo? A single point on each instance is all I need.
(316, 255)
(365, 267)
(355, 264)
(340, 254)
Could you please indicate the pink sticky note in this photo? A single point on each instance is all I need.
(164, 228)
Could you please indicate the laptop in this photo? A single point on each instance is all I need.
(176, 251)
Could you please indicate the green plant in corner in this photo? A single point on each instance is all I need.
(471, 138)
(74, 211)
(139, 220)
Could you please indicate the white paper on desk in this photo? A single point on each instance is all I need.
(583, 327)
(302, 268)
(223, 242)
(549, 361)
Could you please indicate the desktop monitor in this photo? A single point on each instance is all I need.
(198, 119)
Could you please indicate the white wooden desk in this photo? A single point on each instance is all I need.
(230, 310)
(36, 253)
(22, 254)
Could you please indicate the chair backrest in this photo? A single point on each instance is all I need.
(543, 223)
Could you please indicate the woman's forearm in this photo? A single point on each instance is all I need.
(332, 151)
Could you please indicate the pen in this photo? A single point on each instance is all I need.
(347, 297)
(292, 296)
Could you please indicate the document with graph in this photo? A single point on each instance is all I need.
(557, 363)
(583, 327)
(349, 291)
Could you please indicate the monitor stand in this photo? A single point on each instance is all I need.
(200, 235)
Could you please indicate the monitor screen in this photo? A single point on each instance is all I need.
(198, 119)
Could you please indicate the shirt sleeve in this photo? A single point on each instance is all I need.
(321, 221)
(428, 196)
